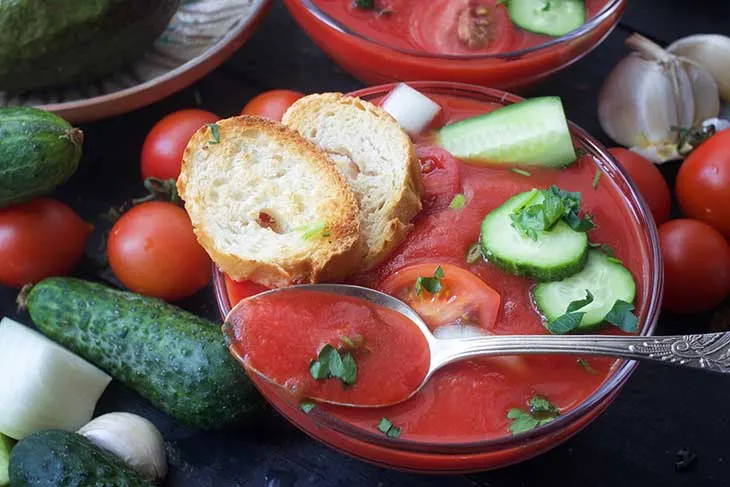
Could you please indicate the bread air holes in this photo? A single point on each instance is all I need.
(267, 219)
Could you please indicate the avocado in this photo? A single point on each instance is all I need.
(50, 42)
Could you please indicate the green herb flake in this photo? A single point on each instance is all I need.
(596, 178)
(572, 317)
(474, 254)
(315, 230)
(615, 260)
(521, 172)
(386, 427)
(214, 131)
(622, 316)
(585, 365)
(365, 4)
(306, 407)
(606, 249)
(430, 284)
(542, 211)
(458, 202)
(540, 411)
(331, 365)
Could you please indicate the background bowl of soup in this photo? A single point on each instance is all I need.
(459, 422)
(414, 40)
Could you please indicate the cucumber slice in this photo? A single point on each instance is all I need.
(556, 254)
(531, 132)
(550, 17)
(604, 277)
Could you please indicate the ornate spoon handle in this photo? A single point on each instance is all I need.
(709, 352)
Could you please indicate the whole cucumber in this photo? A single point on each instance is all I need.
(175, 359)
(38, 152)
(55, 458)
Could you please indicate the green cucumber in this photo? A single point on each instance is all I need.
(177, 360)
(555, 254)
(39, 151)
(5, 446)
(55, 458)
(606, 279)
(532, 132)
(550, 17)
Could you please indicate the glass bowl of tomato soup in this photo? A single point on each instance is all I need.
(460, 421)
(448, 40)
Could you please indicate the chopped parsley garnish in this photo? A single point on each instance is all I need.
(474, 253)
(458, 202)
(521, 172)
(353, 342)
(386, 427)
(365, 4)
(540, 411)
(316, 230)
(214, 131)
(430, 284)
(596, 178)
(622, 316)
(306, 406)
(572, 317)
(615, 260)
(542, 216)
(330, 364)
(585, 365)
(606, 249)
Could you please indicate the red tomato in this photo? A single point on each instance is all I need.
(463, 298)
(696, 266)
(39, 239)
(164, 145)
(153, 251)
(703, 183)
(271, 104)
(440, 177)
(647, 177)
(238, 290)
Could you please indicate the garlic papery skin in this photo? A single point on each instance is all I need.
(649, 94)
(133, 439)
(712, 52)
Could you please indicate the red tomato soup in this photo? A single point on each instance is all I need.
(469, 401)
(439, 26)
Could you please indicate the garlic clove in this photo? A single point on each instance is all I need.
(658, 154)
(705, 92)
(712, 52)
(133, 439)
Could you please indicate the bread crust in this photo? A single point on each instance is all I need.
(404, 204)
(329, 258)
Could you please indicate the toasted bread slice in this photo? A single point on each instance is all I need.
(268, 205)
(376, 157)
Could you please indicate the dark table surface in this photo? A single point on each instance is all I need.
(660, 411)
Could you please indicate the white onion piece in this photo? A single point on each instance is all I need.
(450, 332)
(412, 109)
(42, 385)
(720, 124)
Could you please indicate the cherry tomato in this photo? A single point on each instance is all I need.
(647, 177)
(440, 177)
(462, 299)
(271, 104)
(703, 183)
(39, 239)
(696, 266)
(153, 251)
(238, 290)
(165, 143)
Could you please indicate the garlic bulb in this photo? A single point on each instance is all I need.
(712, 52)
(133, 439)
(650, 94)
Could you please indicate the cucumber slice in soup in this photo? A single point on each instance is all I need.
(604, 277)
(531, 132)
(556, 254)
(550, 17)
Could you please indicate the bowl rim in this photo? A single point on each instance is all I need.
(611, 7)
(622, 369)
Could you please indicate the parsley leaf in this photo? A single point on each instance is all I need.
(386, 426)
(571, 201)
(540, 411)
(458, 202)
(622, 316)
(606, 249)
(306, 406)
(330, 364)
(365, 4)
(572, 317)
(430, 284)
(585, 365)
(544, 209)
(214, 131)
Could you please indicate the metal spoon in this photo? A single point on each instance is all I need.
(709, 352)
